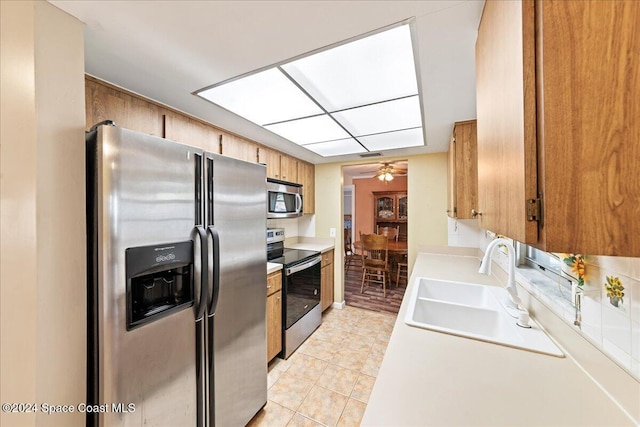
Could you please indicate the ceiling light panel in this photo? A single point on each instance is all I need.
(265, 97)
(309, 130)
(372, 69)
(383, 117)
(336, 148)
(392, 140)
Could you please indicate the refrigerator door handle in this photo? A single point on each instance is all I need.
(214, 285)
(204, 272)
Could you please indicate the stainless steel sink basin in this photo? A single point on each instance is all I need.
(473, 311)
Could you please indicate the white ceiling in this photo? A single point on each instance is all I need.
(166, 50)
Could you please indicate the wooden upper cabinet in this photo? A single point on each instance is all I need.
(107, 102)
(271, 158)
(505, 96)
(279, 166)
(463, 171)
(103, 102)
(558, 134)
(191, 132)
(289, 168)
(233, 146)
(306, 177)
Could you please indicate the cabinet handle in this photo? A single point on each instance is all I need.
(475, 213)
(278, 299)
(268, 286)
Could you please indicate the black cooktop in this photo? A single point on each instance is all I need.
(294, 256)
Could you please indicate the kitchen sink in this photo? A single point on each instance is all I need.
(456, 292)
(473, 311)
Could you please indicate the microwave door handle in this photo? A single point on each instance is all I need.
(298, 203)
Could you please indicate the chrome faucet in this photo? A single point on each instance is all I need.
(485, 268)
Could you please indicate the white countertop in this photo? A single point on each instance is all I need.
(272, 267)
(320, 247)
(429, 378)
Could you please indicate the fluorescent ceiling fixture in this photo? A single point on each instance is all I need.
(368, 70)
(336, 148)
(383, 117)
(363, 93)
(309, 130)
(392, 140)
(265, 97)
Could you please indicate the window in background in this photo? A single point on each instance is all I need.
(548, 263)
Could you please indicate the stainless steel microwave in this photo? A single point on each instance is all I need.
(284, 199)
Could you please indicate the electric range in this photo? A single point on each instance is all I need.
(301, 313)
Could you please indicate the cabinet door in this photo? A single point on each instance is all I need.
(403, 206)
(591, 136)
(326, 287)
(238, 148)
(385, 207)
(326, 280)
(289, 168)
(191, 132)
(271, 158)
(466, 169)
(451, 178)
(505, 99)
(107, 103)
(274, 325)
(306, 177)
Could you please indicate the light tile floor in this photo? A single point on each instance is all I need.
(328, 380)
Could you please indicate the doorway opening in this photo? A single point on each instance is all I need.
(375, 201)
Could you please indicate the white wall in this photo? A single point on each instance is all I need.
(464, 232)
(42, 220)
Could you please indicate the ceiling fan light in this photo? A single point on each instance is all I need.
(388, 177)
(381, 177)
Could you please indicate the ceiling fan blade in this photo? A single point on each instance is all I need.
(403, 171)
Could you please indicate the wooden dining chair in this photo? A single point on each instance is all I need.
(391, 233)
(350, 257)
(402, 265)
(375, 260)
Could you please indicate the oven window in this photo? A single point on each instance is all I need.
(302, 293)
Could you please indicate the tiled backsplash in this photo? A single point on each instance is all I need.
(303, 226)
(615, 330)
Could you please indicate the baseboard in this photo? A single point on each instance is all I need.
(339, 305)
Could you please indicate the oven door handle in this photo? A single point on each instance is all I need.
(291, 270)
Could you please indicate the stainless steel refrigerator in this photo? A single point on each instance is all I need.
(176, 283)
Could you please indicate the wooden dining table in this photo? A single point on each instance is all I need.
(397, 249)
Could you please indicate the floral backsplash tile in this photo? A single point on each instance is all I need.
(610, 309)
(615, 290)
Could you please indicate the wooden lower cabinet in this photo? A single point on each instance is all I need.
(274, 315)
(326, 280)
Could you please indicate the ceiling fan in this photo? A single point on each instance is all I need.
(387, 171)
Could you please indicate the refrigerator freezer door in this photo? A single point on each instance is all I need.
(144, 195)
(237, 322)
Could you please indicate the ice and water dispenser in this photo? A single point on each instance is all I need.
(159, 281)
